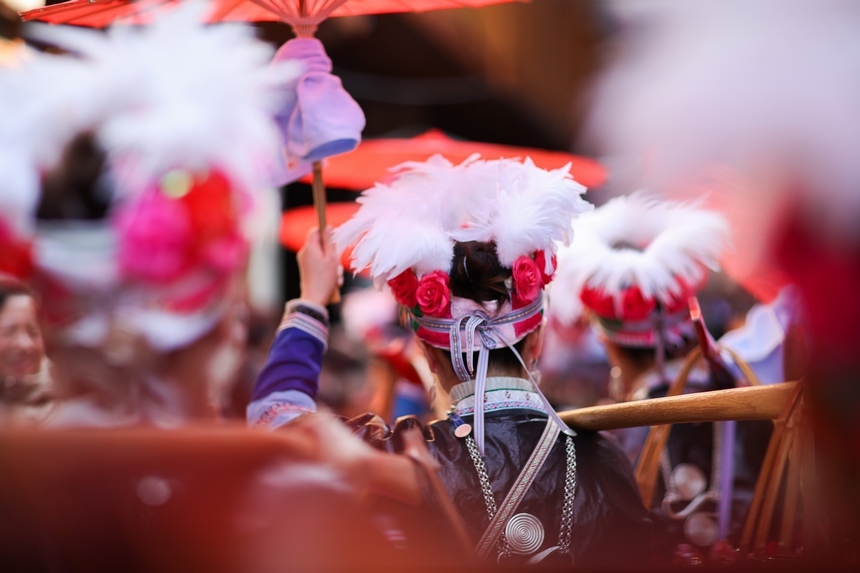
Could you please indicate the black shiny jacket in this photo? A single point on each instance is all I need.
(611, 527)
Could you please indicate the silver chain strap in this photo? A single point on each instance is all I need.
(566, 529)
(489, 499)
(569, 496)
(483, 476)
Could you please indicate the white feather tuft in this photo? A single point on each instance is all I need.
(179, 93)
(415, 221)
(675, 239)
(532, 210)
(176, 93)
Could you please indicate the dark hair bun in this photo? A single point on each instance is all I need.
(77, 187)
(476, 273)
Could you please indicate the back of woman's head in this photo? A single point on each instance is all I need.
(76, 188)
(477, 274)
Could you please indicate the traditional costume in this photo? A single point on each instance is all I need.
(527, 486)
(633, 266)
(175, 122)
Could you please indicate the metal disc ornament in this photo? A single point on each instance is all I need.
(463, 430)
(702, 530)
(689, 481)
(524, 533)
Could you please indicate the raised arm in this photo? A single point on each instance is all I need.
(287, 386)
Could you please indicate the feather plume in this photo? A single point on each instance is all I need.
(181, 93)
(676, 240)
(531, 210)
(176, 93)
(415, 221)
(403, 225)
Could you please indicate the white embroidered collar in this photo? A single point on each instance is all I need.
(502, 393)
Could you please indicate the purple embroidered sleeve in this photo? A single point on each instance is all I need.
(294, 363)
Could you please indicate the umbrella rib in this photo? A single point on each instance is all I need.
(66, 7)
(326, 11)
(275, 9)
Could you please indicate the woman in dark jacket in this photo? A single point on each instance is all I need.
(470, 273)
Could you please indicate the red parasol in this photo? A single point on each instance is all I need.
(296, 223)
(303, 15)
(372, 161)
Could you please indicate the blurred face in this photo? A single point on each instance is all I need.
(21, 347)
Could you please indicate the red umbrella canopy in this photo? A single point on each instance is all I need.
(297, 222)
(303, 15)
(372, 161)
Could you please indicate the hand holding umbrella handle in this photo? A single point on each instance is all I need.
(320, 206)
(319, 268)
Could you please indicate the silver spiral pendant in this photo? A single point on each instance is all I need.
(524, 533)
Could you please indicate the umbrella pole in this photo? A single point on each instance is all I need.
(320, 206)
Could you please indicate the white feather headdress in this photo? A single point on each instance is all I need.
(636, 240)
(415, 221)
(176, 93)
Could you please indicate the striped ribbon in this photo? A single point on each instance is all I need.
(477, 325)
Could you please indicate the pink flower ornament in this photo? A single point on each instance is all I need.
(154, 235)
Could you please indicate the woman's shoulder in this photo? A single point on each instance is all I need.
(377, 432)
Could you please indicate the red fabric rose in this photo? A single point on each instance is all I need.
(540, 261)
(433, 294)
(527, 279)
(635, 305)
(403, 288)
(598, 301)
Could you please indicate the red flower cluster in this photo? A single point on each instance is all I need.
(16, 257)
(530, 277)
(540, 261)
(634, 304)
(432, 294)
